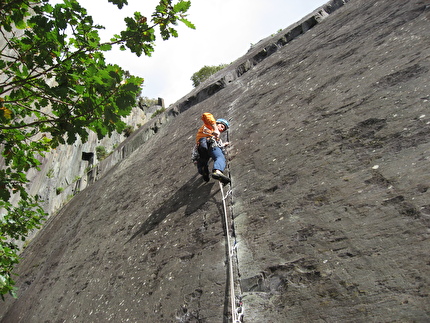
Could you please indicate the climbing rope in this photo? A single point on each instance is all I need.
(236, 312)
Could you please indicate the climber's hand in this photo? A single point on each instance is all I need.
(216, 133)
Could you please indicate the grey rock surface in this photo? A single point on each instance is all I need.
(329, 203)
(65, 168)
(64, 172)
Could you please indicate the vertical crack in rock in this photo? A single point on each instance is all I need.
(231, 255)
(235, 263)
(233, 294)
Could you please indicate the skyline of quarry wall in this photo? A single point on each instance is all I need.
(329, 203)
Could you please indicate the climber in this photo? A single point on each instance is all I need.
(209, 145)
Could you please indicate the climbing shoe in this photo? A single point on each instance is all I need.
(205, 176)
(205, 173)
(217, 174)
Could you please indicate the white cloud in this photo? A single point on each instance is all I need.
(225, 30)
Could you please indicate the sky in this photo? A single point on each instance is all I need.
(225, 30)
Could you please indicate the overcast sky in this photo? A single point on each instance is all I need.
(225, 30)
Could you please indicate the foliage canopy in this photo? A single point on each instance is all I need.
(55, 87)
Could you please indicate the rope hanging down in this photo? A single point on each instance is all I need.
(236, 313)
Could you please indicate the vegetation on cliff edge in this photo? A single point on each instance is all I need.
(204, 73)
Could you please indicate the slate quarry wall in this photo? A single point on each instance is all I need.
(329, 202)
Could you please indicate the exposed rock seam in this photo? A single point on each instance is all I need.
(235, 262)
(230, 281)
(232, 253)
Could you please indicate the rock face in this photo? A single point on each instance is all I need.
(69, 169)
(329, 203)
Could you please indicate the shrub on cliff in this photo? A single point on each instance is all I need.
(204, 73)
(55, 86)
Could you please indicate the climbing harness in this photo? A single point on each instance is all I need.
(236, 305)
(195, 155)
(215, 142)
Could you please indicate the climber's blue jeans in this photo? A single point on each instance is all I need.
(206, 152)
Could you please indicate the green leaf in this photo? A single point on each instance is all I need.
(119, 3)
(182, 6)
(20, 24)
(187, 23)
(105, 47)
